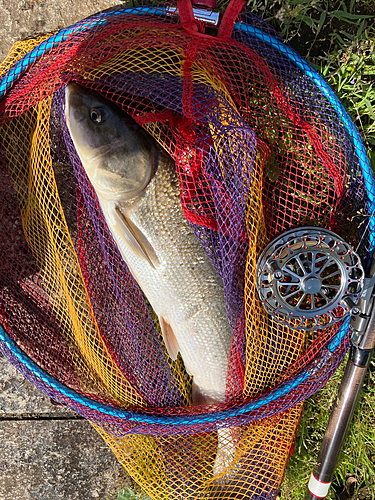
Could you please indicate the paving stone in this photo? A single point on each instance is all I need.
(21, 399)
(46, 453)
(56, 460)
(22, 19)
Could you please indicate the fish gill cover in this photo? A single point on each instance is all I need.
(258, 149)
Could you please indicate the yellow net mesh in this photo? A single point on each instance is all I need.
(252, 157)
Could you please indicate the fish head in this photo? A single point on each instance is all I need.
(120, 158)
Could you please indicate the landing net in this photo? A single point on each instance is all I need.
(261, 145)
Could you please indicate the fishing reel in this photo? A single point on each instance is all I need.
(309, 278)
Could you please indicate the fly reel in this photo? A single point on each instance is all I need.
(309, 278)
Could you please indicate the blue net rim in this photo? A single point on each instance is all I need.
(7, 81)
(187, 419)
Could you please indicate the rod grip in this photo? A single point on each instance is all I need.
(337, 427)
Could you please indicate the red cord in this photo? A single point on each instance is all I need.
(229, 18)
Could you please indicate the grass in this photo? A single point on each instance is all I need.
(356, 465)
(132, 494)
(338, 39)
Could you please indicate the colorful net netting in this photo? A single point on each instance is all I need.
(261, 145)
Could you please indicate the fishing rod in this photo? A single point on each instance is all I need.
(294, 268)
(362, 346)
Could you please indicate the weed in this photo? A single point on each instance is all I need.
(132, 494)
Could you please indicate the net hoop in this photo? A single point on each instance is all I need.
(193, 419)
(7, 81)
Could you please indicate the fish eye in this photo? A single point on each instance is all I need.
(98, 115)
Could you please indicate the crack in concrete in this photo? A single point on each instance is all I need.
(21, 418)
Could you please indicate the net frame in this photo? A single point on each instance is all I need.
(174, 424)
(177, 422)
(15, 72)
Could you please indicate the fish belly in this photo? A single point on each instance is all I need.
(183, 287)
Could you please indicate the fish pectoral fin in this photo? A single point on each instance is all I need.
(170, 340)
(136, 240)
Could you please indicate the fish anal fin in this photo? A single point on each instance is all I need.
(200, 398)
(136, 240)
(170, 340)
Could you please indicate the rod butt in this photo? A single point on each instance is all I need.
(317, 489)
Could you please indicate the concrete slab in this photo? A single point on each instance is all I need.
(56, 459)
(21, 19)
(48, 451)
(20, 399)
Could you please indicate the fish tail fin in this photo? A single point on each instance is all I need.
(226, 450)
(226, 447)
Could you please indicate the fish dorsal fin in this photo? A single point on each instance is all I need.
(170, 340)
(137, 241)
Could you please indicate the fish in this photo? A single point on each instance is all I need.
(138, 191)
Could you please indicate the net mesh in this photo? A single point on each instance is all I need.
(258, 150)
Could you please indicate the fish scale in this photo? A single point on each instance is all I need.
(184, 288)
(154, 237)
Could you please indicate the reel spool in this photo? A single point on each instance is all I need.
(309, 278)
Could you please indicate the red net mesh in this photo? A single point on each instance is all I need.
(257, 150)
